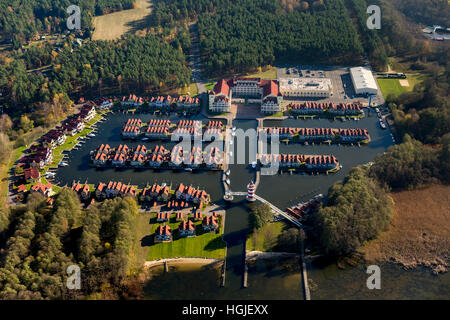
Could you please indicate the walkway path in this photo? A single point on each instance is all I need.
(273, 207)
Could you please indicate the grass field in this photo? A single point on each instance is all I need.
(206, 245)
(209, 86)
(71, 142)
(266, 239)
(4, 172)
(112, 26)
(391, 87)
(266, 73)
(419, 231)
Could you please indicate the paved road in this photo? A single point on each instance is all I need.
(195, 59)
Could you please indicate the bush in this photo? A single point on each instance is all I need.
(259, 216)
(357, 210)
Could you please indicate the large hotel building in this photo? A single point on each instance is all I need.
(268, 93)
(254, 90)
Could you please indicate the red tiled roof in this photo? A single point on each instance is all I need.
(222, 87)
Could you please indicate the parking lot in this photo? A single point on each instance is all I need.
(343, 91)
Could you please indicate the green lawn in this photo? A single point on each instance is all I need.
(269, 74)
(71, 142)
(266, 239)
(192, 89)
(206, 245)
(391, 87)
(209, 86)
(278, 114)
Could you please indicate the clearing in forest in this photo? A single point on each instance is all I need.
(112, 26)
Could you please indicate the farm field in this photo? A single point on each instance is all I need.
(112, 26)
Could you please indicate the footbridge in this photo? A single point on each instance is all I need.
(272, 207)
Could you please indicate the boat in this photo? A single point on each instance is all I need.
(63, 164)
(145, 139)
(228, 172)
(228, 181)
(188, 169)
(254, 164)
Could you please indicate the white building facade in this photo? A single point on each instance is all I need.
(306, 87)
(363, 81)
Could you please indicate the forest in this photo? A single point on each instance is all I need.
(242, 35)
(135, 64)
(359, 208)
(24, 19)
(42, 241)
(429, 12)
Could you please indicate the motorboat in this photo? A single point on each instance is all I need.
(254, 164)
(188, 169)
(228, 172)
(228, 181)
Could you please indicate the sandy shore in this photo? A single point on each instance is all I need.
(268, 255)
(175, 261)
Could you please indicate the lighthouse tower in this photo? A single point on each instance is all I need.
(251, 192)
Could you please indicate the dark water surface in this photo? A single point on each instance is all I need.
(327, 281)
(267, 280)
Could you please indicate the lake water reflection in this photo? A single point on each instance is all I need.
(266, 281)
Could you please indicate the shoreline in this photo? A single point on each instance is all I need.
(255, 255)
(148, 265)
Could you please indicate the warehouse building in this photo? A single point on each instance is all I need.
(306, 87)
(363, 81)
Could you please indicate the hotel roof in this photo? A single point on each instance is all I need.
(312, 84)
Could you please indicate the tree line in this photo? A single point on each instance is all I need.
(40, 242)
(237, 36)
(359, 208)
(131, 65)
(25, 19)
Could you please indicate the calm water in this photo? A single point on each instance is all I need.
(266, 280)
(327, 281)
(109, 132)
